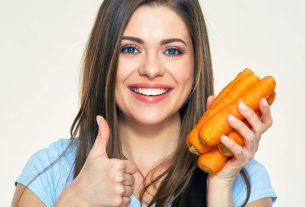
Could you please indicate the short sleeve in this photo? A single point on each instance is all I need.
(260, 185)
(44, 179)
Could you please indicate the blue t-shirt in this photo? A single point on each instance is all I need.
(50, 184)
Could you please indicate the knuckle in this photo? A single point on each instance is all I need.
(250, 156)
(251, 137)
(117, 164)
(129, 179)
(120, 189)
(251, 114)
(239, 153)
(243, 126)
(127, 200)
(117, 201)
(132, 180)
(260, 129)
(269, 123)
(128, 191)
(118, 177)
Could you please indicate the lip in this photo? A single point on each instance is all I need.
(149, 85)
(150, 99)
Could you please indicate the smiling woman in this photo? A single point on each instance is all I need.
(155, 69)
(147, 77)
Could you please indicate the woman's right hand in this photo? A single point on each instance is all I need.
(102, 182)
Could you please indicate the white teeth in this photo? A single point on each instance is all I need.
(150, 91)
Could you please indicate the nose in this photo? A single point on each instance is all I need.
(151, 67)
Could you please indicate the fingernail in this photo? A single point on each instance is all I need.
(96, 120)
(232, 118)
(265, 103)
(242, 106)
(224, 138)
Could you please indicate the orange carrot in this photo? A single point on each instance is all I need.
(195, 146)
(226, 89)
(212, 129)
(236, 137)
(241, 87)
(271, 98)
(212, 161)
(241, 84)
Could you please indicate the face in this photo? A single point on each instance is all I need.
(155, 69)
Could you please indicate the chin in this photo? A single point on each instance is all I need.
(150, 118)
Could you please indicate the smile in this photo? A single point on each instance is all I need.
(150, 91)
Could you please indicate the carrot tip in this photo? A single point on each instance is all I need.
(193, 150)
(206, 169)
(202, 141)
(224, 150)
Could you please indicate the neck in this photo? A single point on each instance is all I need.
(148, 145)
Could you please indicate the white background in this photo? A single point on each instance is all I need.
(41, 45)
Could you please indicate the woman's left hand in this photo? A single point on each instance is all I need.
(243, 154)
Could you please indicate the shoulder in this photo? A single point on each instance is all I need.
(49, 169)
(260, 182)
(61, 150)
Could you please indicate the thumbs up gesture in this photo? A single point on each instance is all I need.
(102, 182)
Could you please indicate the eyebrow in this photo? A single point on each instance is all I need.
(162, 42)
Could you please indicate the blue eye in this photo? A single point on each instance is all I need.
(130, 50)
(173, 52)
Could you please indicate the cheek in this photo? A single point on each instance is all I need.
(183, 73)
(128, 64)
(185, 77)
(124, 68)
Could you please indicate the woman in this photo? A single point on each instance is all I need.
(147, 75)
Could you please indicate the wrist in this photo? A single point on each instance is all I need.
(220, 181)
(219, 191)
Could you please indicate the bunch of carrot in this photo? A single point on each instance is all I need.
(204, 139)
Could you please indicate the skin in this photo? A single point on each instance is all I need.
(152, 127)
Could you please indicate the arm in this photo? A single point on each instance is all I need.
(25, 198)
(101, 182)
(218, 189)
(219, 192)
(264, 202)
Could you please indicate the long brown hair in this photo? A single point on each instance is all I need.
(98, 92)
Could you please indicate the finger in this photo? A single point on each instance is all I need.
(102, 139)
(248, 135)
(130, 167)
(266, 114)
(117, 170)
(125, 201)
(254, 121)
(128, 179)
(120, 201)
(210, 101)
(237, 150)
(128, 191)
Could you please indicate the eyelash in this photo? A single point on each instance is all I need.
(123, 49)
(134, 47)
(178, 51)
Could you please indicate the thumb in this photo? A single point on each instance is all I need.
(210, 101)
(102, 139)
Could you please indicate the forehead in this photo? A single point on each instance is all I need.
(156, 22)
